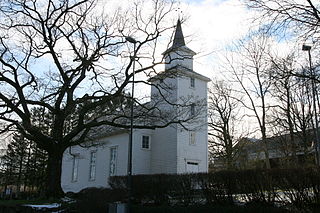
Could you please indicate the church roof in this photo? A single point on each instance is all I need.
(178, 41)
(172, 72)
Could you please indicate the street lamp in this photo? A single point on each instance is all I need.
(129, 172)
(316, 134)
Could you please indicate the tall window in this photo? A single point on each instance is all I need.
(145, 142)
(75, 165)
(192, 109)
(192, 138)
(192, 82)
(113, 161)
(92, 170)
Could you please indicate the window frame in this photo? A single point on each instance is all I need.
(142, 142)
(192, 82)
(113, 162)
(192, 109)
(192, 138)
(75, 168)
(92, 165)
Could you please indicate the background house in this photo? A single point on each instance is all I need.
(172, 149)
(284, 151)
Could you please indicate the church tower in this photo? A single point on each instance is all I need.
(177, 149)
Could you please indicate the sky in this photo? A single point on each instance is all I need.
(212, 25)
(208, 27)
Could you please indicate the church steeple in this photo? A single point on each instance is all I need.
(178, 40)
(179, 54)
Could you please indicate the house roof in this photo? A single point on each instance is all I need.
(277, 142)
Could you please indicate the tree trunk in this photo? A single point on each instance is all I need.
(266, 153)
(18, 184)
(265, 147)
(53, 187)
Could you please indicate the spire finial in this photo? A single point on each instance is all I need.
(179, 10)
(178, 40)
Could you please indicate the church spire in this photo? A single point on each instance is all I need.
(179, 54)
(178, 40)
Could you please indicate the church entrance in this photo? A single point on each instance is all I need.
(192, 167)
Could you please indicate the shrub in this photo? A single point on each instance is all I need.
(256, 186)
(95, 200)
(214, 188)
(298, 187)
(185, 189)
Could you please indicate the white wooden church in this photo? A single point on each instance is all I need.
(172, 149)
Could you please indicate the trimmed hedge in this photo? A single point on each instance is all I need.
(298, 188)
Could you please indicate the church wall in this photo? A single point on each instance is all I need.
(164, 148)
(197, 152)
(141, 159)
(102, 163)
(167, 88)
(164, 151)
(192, 153)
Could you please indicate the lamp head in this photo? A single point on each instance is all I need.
(130, 39)
(306, 47)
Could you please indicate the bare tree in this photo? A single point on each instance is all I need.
(301, 18)
(223, 112)
(282, 86)
(282, 117)
(250, 71)
(71, 59)
(298, 102)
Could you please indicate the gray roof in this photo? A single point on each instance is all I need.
(178, 70)
(178, 40)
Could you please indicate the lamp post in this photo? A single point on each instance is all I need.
(129, 172)
(314, 94)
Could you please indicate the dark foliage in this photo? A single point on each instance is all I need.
(292, 188)
(275, 190)
(208, 209)
(94, 200)
(23, 169)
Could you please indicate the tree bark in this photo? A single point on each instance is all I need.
(53, 187)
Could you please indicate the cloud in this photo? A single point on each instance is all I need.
(213, 24)
(209, 27)
(218, 23)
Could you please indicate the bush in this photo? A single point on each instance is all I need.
(95, 200)
(209, 209)
(295, 187)
(186, 189)
(216, 189)
(299, 187)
